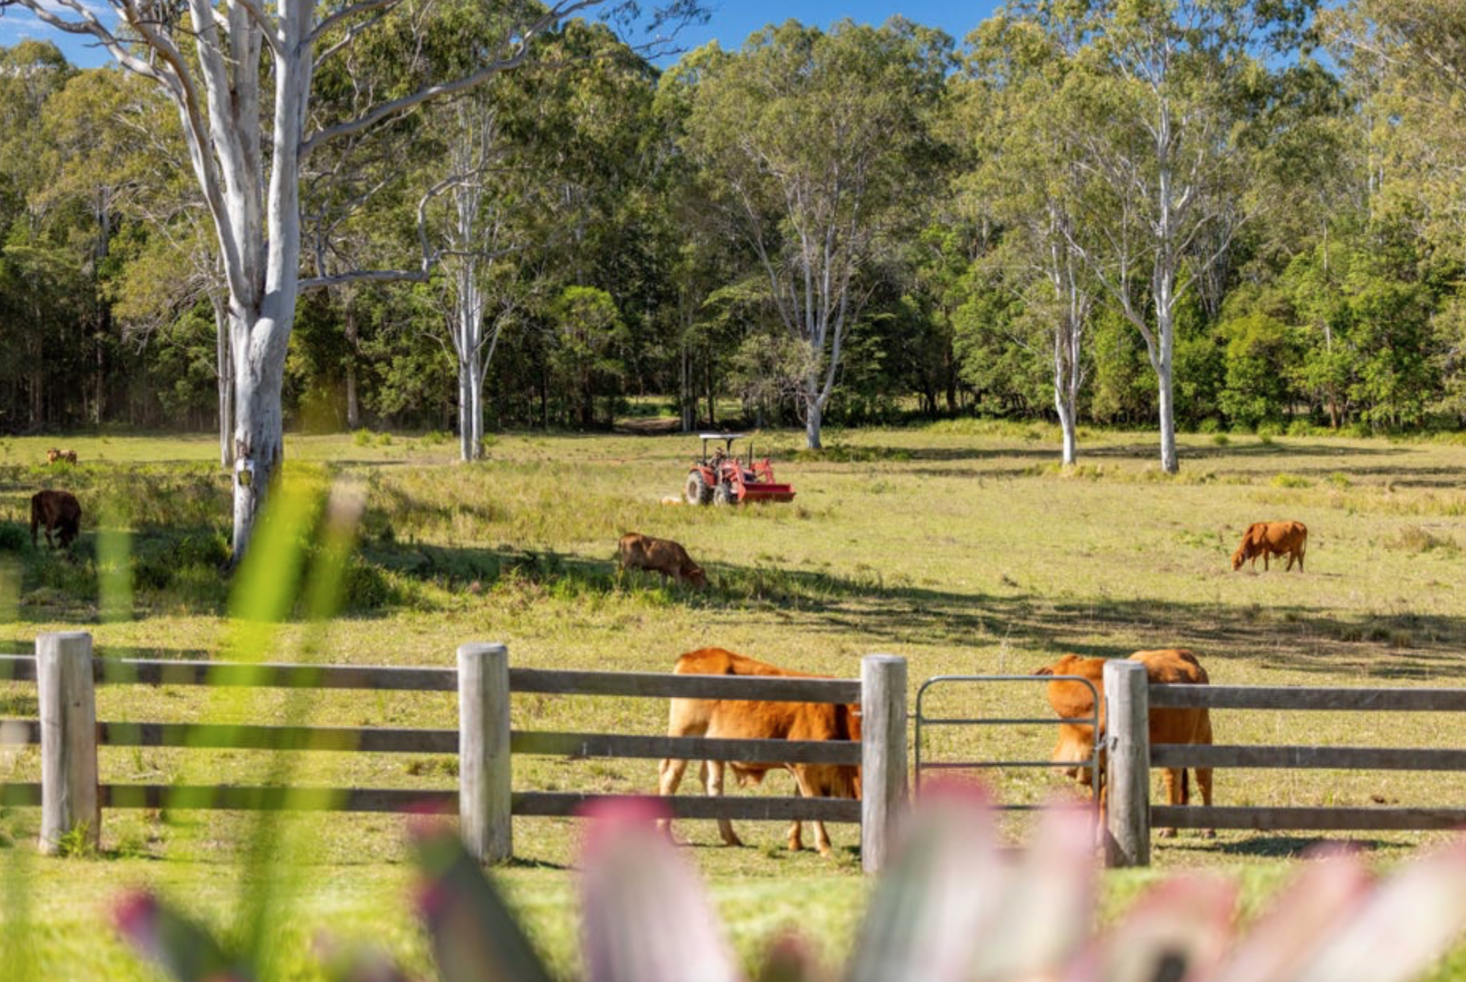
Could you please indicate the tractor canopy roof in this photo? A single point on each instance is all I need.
(722, 436)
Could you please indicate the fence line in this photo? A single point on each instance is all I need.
(66, 675)
(1130, 820)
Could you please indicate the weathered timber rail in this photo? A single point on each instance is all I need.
(69, 734)
(1129, 700)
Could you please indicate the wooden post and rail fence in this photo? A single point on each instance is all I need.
(68, 732)
(1130, 815)
(71, 797)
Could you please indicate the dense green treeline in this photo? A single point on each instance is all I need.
(1235, 214)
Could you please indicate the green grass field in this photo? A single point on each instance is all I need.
(960, 546)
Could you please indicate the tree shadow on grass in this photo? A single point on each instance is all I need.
(1280, 846)
(892, 614)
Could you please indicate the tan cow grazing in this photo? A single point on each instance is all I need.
(56, 510)
(54, 455)
(1267, 539)
(750, 720)
(637, 551)
(1072, 700)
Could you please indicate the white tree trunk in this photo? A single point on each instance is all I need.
(813, 413)
(353, 402)
(259, 436)
(1066, 388)
(465, 415)
(1166, 336)
(224, 377)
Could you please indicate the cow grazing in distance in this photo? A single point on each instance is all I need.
(637, 551)
(54, 455)
(58, 511)
(1072, 700)
(752, 720)
(1267, 539)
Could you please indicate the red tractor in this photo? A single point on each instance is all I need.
(722, 479)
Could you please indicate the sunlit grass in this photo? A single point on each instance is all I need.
(960, 546)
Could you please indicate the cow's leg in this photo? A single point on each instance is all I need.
(1175, 783)
(808, 790)
(669, 779)
(713, 771)
(796, 828)
(1203, 783)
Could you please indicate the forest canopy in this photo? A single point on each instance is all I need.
(866, 224)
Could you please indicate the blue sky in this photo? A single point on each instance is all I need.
(732, 20)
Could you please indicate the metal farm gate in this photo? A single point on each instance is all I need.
(922, 764)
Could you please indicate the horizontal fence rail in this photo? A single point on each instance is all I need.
(223, 736)
(526, 804)
(1304, 758)
(483, 742)
(1272, 819)
(1290, 697)
(151, 671)
(126, 671)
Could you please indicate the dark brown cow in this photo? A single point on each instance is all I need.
(58, 510)
(1072, 700)
(750, 720)
(637, 551)
(1267, 539)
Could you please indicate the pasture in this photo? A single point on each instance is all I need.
(960, 546)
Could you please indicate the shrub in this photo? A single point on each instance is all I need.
(1290, 481)
(1209, 425)
(362, 438)
(1302, 427)
(1221, 439)
(13, 537)
(1268, 432)
(1413, 538)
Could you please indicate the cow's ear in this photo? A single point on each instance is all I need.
(1046, 670)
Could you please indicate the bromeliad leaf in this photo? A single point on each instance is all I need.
(474, 934)
(645, 917)
(1298, 922)
(936, 905)
(175, 944)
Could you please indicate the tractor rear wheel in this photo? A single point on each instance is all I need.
(697, 491)
(725, 495)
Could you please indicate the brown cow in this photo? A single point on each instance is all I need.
(54, 455)
(57, 510)
(637, 551)
(748, 720)
(1072, 700)
(1267, 539)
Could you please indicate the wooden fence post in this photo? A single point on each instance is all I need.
(1127, 745)
(68, 706)
(484, 775)
(882, 754)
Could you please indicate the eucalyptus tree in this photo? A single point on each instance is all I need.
(1156, 105)
(813, 144)
(1033, 183)
(240, 75)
